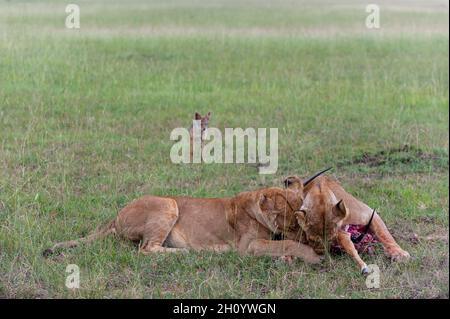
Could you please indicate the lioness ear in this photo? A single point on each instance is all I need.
(266, 203)
(340, 211)
(197, 116)
(261, 211)
(294, 182)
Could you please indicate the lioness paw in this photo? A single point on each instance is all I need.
(286, 259)
(398, 255)
(315, 259)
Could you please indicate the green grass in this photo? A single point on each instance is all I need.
(85, 118)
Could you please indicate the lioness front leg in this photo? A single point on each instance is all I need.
(391, 248)
(346, 243)
(278, 248)
(147, 249)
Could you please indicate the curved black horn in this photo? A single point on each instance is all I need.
(309, 180)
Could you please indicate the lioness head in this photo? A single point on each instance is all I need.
(321, 214)
(272, 207)
(321, 217)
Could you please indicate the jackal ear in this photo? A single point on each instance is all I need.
(197, 116)
(208, 115)
(340, 211)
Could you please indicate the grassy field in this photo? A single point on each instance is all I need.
(85, 118)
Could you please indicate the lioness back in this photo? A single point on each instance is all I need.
(202, 222)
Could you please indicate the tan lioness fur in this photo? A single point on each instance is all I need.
(327, 208)
(244, 222)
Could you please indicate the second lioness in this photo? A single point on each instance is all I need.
(327, 208)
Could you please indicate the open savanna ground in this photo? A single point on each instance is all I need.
(85, 119)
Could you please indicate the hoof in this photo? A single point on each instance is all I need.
(365, 270)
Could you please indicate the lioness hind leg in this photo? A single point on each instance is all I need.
(149, 219)
(391, 248)
(157, 228)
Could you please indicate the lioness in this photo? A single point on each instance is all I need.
(244, 222)
(327, 209)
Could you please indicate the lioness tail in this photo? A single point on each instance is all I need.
(103, 231)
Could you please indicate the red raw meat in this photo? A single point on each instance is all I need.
(366, 245)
